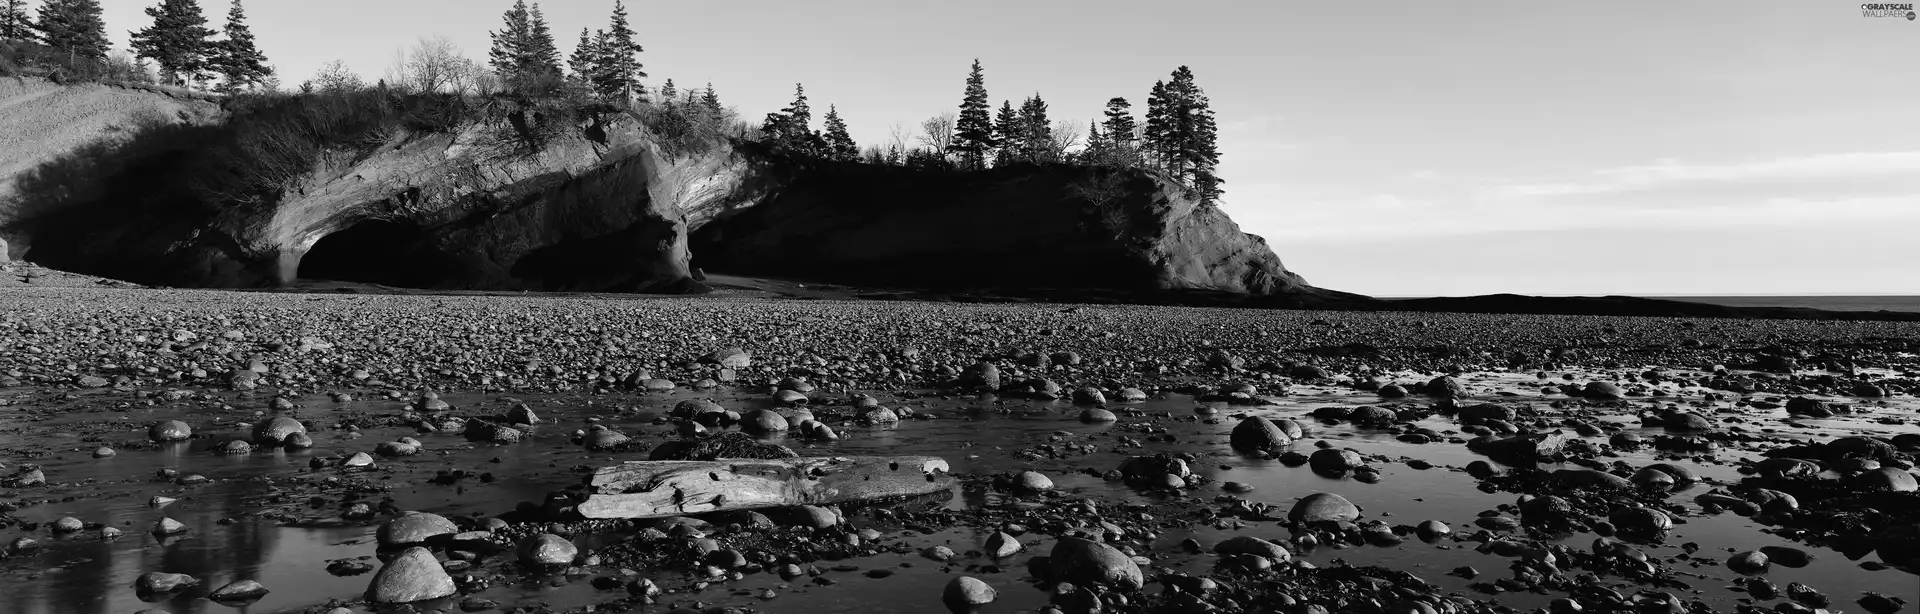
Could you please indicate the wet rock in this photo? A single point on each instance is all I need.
(763, 421)
(1432, 529)
(723, 445)
(1604, 391)
(1001, 545)
(239, 590)
(980, 376)
(1445, 387)
(274, 431)
(488, 432)
(414, 528)
(879, 415)
(812, 517)
(1329, 460)
(68, 524)
(411, 576)
(168, 526)
(1591, 478)
(1811, 408)
(1323, 507)
(730, 358)
(1787, 556)
(1751, 562)
(1256, 434)
(1877, 603)
(155, 582)
(1095, 414)
(1245, 544)
(1088, 395)
(169, 430)
(545, 549)
(1887, 479)
(1487, 411)
(1084, 562)
(967, 591)
(1640, 521)
(1033, 481)
(1524, 449)
(396, 449)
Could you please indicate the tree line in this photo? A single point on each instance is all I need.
(1179, 136)
(179, 43)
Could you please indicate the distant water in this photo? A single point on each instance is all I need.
(1831, 303)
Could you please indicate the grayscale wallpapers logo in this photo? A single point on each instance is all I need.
(1887, 10)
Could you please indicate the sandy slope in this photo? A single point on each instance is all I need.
(40, 120)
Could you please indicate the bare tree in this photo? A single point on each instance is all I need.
(336, 77)
(937, 132)
(1066, 135)
(432, 65)
(899, 137)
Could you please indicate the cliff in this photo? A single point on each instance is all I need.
(601, 204)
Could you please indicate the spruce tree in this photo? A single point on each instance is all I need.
(1036, 131)
(511, 44)
(840, 145)
(668, 92)
(583, 62)
(1119, 123)
(178, 40)
(711, 101)
(619, 57)
(542, 63)
(1196, 150)
(973, 131)
(1155, 137)
(1010, 135)
(74, 27)
(239, 60)
(14, 22)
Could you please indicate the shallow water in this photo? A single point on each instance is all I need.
(85, 574)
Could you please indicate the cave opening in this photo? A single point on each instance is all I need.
(385, 252)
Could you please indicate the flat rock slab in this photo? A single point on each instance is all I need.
(659, 489)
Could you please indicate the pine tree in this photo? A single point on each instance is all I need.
(73, 26)
(711, 101)
(668, 92)
(973, 131)
(619, 57)
(1036, 131)
(790, 128)
(840, 145)
(238, 60)
(511, 44)
(1009, 133)
(1119, 124)
(1154, 138)
(543, 56)
(178, 40)
(14, 22)
(1198, 149)
(584, 61)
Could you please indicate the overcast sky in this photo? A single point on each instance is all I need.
(1387, 148)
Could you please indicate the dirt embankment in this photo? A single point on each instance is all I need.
(41, 120)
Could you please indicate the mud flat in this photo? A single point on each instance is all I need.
(1134, 459)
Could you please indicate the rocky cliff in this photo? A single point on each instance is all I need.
(609, 206)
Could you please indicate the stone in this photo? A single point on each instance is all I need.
(967, 591)
(1256, 434)
(1246, 544)
(239, 590)
(730, 358)
(414, 528)
(763, 421)
(1088, 395)
(155, 582)
(1323, 507)
(545, 549)
(274, 431)
(1330, 460)
(68, 524)
(1033, 482)
(413, 575)
(1085, 562)
(168, 526)
(1887, 478)
(169, 430)
(1445, 387)
(1001, 545)
(1096, 414)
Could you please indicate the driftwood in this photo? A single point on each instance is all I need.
(657, 489)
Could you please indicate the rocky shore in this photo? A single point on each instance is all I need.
(167, 449)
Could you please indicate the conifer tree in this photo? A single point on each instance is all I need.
(1155, 138)
(973, 131)
(790, 128)
(543, 56)
(711, 101)
(239, 60)
(840, 145)
(14, 22)
(668, 92)
(1196, 150)
(73, 26)
(1119, 123)
(1010, 134)
(178, 40)
(512, 44)
(583, 63)
(619, 58)
(1036, 131)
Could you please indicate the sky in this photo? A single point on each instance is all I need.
(1389, 148)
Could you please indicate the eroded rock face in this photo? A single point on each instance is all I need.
(1040, 227)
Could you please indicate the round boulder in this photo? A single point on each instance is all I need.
(412, 576)
(1323, 507)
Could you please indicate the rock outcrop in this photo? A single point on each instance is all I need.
(606, 205)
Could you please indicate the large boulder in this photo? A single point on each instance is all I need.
(1087, 562)
(411, 576)
(1255, 434)
(1323, 507)
(274, 431)
(414, 528)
